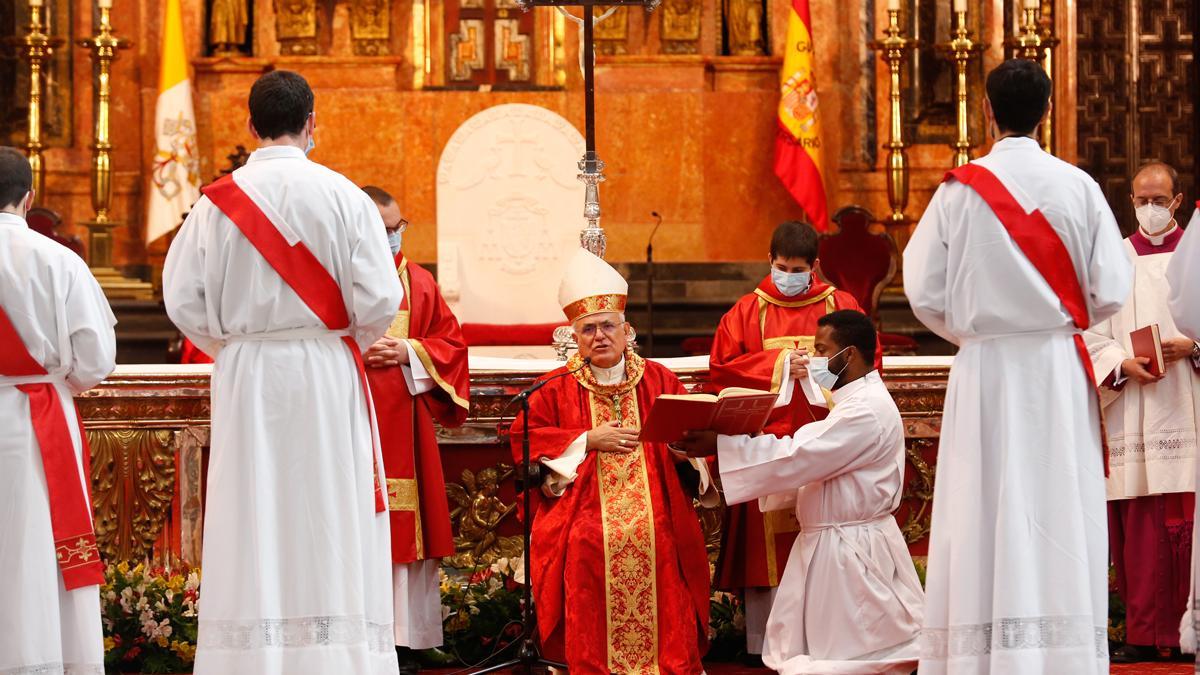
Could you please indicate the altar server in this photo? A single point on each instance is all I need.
(282, 273)
(56, 339)
(418, 373)
(1151, 424)
(1017, 254)
(764, 334)
(850, 600)
(620, 575)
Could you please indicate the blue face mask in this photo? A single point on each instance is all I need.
(311, 144)
(394, 238)
(818, 370)
(791, 283)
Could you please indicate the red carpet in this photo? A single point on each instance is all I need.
(1127, 669)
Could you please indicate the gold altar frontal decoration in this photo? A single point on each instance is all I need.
(148, 427)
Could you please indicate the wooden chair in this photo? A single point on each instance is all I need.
(47, 222)
(863, 263)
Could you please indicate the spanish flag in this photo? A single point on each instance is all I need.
(798, 144)
(175, 179)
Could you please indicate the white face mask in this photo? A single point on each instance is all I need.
(394, 238)
(791, 283)
(1152, 218)
(818, 370)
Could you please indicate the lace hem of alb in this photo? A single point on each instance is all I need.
(55, 669)
(1014, 633)
(1137, 449)
(314, 631)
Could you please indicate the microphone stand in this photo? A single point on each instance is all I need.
(650, 285)
(528, 654)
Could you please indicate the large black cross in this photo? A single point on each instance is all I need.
(589, 58)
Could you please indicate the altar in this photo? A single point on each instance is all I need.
(148, 427)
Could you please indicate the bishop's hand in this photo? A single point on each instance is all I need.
(612, 437)
(699, 443)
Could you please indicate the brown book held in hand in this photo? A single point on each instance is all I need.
(1147, 344)
(733, 411)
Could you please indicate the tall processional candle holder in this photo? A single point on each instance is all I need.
(962, 50)
(894, 48)
(104, 46)
(36, 46)
(1036, 44)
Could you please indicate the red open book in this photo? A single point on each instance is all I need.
(733, 411)
(1147, 344)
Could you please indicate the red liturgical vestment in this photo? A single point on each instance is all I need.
(420, 514)
(750, 350)
(620, 576)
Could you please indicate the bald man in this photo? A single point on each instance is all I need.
(1151, 424)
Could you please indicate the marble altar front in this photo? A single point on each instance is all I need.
(148, 427)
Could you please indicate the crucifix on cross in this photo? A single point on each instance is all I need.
(591, 168)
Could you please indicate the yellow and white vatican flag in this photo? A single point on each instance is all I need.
(175, 179)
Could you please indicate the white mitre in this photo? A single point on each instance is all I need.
(591, 286)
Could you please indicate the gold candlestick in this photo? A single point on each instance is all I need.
(894, 48)
(1035, 44)
(37, 47)
(962, 49)
(104, 46)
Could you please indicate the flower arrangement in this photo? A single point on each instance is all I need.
(726, 627)
(149, 617)
(481, 609)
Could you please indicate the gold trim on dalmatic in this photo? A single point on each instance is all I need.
(627, 516)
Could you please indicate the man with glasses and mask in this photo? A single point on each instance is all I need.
(1151, 425)
(281, 272)
(850, 600)
(619, 571)
(761, 343)
(418, 374)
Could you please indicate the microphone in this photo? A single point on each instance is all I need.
(531, 473)
(650, 284)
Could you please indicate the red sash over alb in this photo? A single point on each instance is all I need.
(1037, 239)
(70, 510)
(301, 271)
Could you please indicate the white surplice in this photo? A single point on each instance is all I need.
(64, 320)
(297, 563)
(849, 600)
(1183, 275)
(1018, 557)
(1152, 428)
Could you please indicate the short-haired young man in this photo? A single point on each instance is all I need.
(56, 339)
(850, 600)
(282, 273)
(1016, 255)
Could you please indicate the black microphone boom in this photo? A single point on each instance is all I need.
(528, 654)
(650, 284)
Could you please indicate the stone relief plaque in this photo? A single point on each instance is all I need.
(509, 213)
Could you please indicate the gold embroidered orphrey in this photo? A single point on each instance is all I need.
(627, 516)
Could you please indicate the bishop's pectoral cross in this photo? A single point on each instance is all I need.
(592, 238)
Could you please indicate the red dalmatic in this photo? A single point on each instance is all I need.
(70, 505)
(416, 490)
(749, 350)
(620, 575)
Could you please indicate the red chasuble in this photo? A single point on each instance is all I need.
(620, 575)
(749, 351)
(417, 502)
